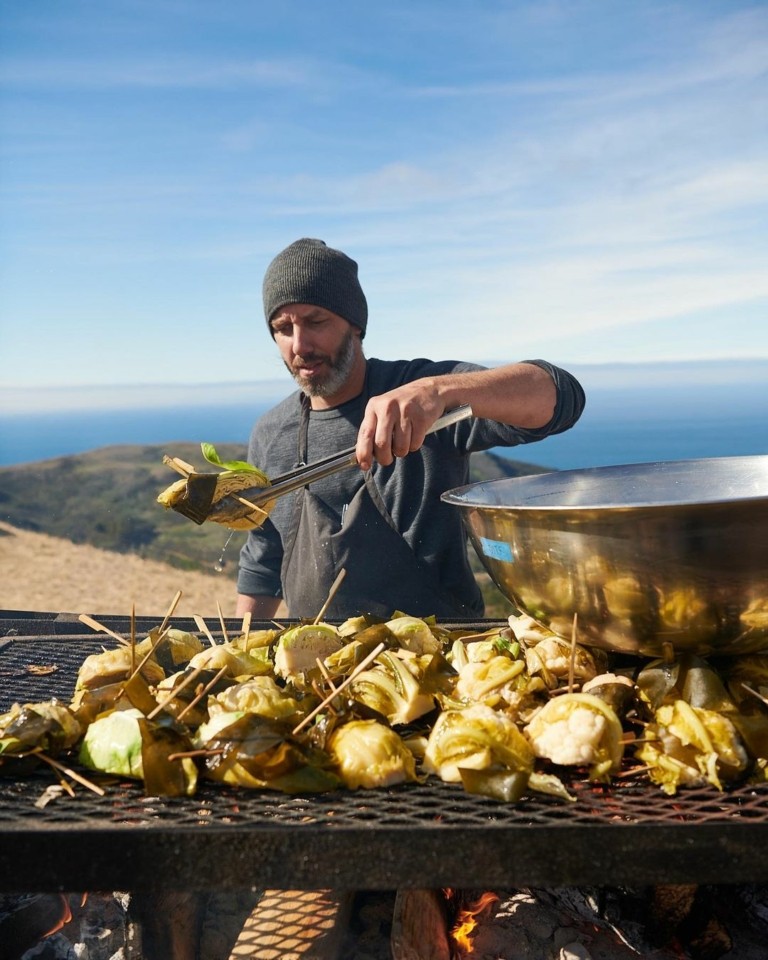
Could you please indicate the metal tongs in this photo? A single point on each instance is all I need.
(198, 502)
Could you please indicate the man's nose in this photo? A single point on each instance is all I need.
(302, 341)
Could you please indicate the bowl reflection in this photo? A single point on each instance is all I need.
(643, 555)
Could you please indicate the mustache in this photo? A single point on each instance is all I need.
(309, 358)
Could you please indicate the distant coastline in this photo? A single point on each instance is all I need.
(634, 413)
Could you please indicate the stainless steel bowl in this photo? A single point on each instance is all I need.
(644, 555)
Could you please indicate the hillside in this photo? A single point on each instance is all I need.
(43, 573)
(106, 499)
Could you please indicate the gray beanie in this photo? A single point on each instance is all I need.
(309, 271)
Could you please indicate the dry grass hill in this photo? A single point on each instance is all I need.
(43, 573)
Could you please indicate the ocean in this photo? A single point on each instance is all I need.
(620, 425)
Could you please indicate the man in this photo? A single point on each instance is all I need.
(402, 548)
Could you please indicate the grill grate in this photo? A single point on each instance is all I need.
(426, 835)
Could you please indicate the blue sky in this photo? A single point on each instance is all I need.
(581, 181)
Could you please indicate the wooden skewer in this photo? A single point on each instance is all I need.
(174, 693)
(326, 676)
(95, 625)
(247, 503)
(149, 653)
(197, 753)
(755, 693)
(572, 661)
(246, 627)
(179, 465)
(199, 697)
(169, 614)
(133, 637)
(331, 594)
(321, 706)
(60, 768)
(203, 627)
(223, 625)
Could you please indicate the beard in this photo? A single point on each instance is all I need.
(339, 368)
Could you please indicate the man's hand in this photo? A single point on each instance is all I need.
(395, 423)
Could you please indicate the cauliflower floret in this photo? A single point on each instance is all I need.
(576, 729)
(572, 740)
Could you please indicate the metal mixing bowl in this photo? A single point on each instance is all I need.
(643, 554)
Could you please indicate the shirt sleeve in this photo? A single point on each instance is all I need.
(569, 404)
(261, 558)
(475, 435)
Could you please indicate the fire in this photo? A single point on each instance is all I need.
(66, 915)
(466, 921)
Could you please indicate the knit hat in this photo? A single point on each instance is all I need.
(309, 271)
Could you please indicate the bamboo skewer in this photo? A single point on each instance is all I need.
(174, 693)
(246, 627)
(223, 625)
(326, 676)
(179, 465)
(331, 594)
(169, 614)
(321, 706)
(755, 693)
(203, 627)
(572, 661)
(60, 768)
(100, 628)
(211, 683)
(149, 653)
(133, 637)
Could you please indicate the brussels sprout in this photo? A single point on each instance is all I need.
(252, 751)
(370, 754)
(238, 663)
(50, 726)
(616, 690)
(476, 738)
(299, 648)
(176, 647)
(259, 695)
(125, 743)
(414, 634)
(391, 689)
(113, 666)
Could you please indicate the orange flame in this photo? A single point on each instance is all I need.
(66, 916)
(467, 919)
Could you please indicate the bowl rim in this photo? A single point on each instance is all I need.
(537, 486)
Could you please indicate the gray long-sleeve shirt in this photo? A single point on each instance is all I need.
(410, 487)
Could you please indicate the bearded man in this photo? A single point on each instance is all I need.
(402, 548)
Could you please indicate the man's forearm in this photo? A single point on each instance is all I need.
(260, 608)
(518, 394)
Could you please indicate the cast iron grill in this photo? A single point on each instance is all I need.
(426, 835)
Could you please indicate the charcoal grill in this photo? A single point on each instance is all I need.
(415, 836)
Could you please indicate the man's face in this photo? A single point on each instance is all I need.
(319, 348)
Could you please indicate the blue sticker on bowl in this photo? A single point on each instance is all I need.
(497, 550)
